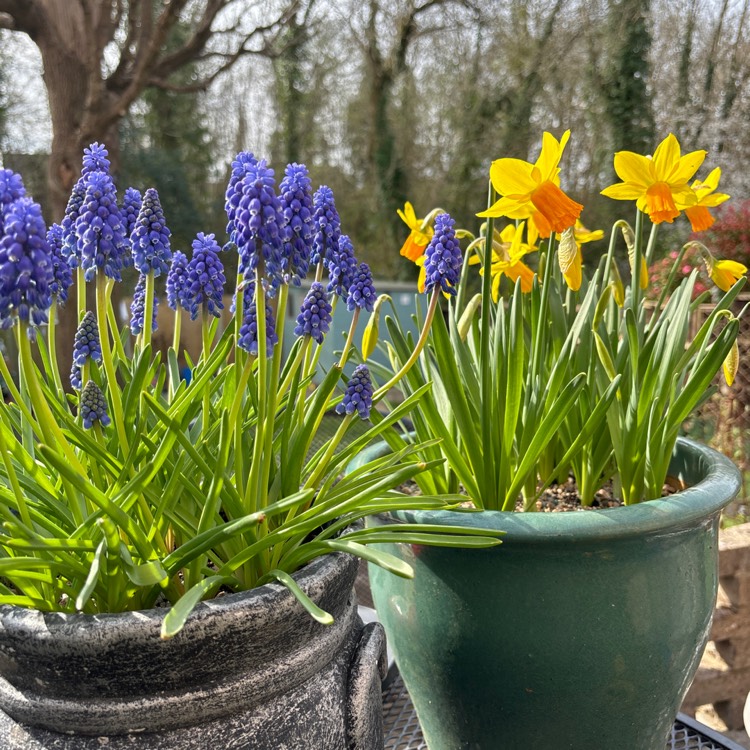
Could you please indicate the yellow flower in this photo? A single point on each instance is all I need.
(420, 236)
(724, 273)
(422, 273)
(569, 254)
(507, 252)
(657, 183)
(533, 190)
(732, 363)
(707, 197)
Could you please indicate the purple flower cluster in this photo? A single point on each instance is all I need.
(93, 406)
(11, 189)
(443, 258)
(358, 394)
(100, 234)
(138, 308)
(249, 330)
(70, 245)
(297, 206)
(95, 159)
(62, 276)
(131, 206)
(205, 278)
(177, 280)
(150, 237)
(86, 345)
(240, 166)
(362, 292)
(342, 267)
(326, 226)
(26, 271)
(314, 318)
(258, 224)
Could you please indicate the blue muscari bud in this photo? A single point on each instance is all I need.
(259, 224)
(26, 271)
(205, 277)
(62, 276)
(150, 237)
(86, 345)
(93, 406)
(249, 330)
(11, 189)
(342, 267)
(358, 395)
(138, 308)
(326, 226)
(362, 292)
(131, 206)
(177, 280)
(68, 223)
(95, 159)
(443, 259)
(240, 166)
(295, 193)
(314, 318)
(100, 238)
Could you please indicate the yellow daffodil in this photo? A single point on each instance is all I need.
(422, 273)
(659, 183)
(569, 254)
(706, 197)
(507, 252)
(420, 236)
(533, 190)
(732, 363)
(724, 273)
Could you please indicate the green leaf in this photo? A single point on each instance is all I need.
(310, 606)
(175, 619)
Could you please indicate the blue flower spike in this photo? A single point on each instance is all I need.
(358, 395)
(62, 275)
(326, 226)
(342, 267)
(26, 266)
(295, 194)
(314, 318)
(205, 278)
(86, 346)
(95, 159)
(93, 406)
(150, 237)
(177, 280)
(443, 258)
(11, 189)
(243, 162)
(248, 339)
(138, 308)
(362, 292)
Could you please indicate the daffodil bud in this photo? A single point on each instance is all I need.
(732, 363)
(569, 259)
(629, 236)
(618, 288)
(601, 305)
(464, 323)
(372, 329)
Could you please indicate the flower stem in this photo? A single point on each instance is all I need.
(349, 338)
(81, 292)
(206, 340)
(323, 463)
(255, 492)
(102, 302)
(52, 350)
(148, 310)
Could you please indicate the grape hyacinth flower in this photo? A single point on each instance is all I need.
(258, 224)
(11, 189)
(70, 245)
(358, 395)
(295, 194)
(326, 226)
(131, 206)
(26, 271)
(205, 278)
(62, 277)
(93, 406)
(95, 159)
(86, 345)
(443, 257)
(362, 292)
(240, 166)
(138, 308)
(99, 229)
(248, 339)
(150, 237)
(177, 280)
(314, 318)
(342, 267)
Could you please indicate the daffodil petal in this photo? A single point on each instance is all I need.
(512, 176)
(510, 207)
(666, 157)
(686, 167)
(715, 199)
(624, 191)
(550, 156)
(633, 168)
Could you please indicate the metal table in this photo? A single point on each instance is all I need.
(402, 731)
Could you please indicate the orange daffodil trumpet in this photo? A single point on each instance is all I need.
(659, 184)
(706, 197)
(532, 191)
(420, 235)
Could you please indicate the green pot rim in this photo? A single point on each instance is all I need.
(712, 479)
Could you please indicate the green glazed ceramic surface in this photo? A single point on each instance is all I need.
(582, 631)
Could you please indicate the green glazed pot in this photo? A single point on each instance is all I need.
(582, 631)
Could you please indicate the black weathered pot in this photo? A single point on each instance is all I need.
(249, 670)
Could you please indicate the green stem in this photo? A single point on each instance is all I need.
(113, 325)
(102, 302)
(635, 273)
(325, 459)
(81, 292)
(206, 341)
(27, 437)
(349, 338)
(148, 311)
(177, 330)
(417, 349)
(52, 349)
